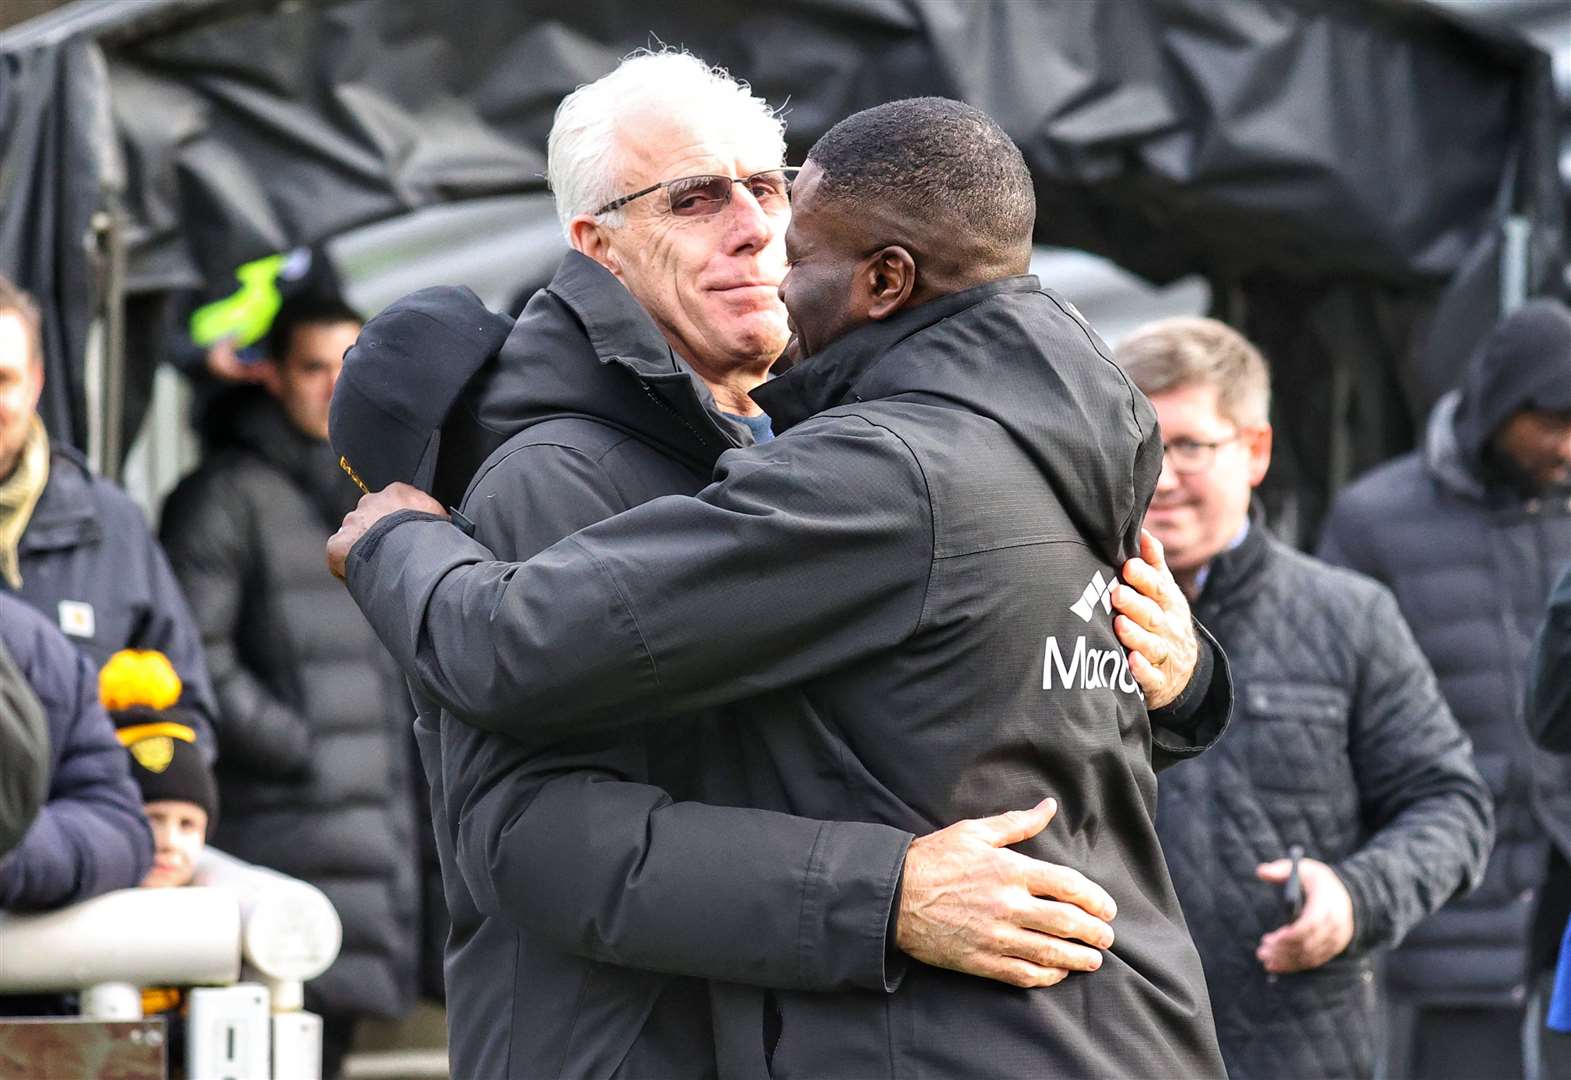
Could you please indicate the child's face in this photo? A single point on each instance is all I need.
(179, 834)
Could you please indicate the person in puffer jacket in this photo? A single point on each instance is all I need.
(1470, 532)
(1343, 748)
(89, 836)
(316, 767)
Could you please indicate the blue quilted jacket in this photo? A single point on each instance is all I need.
(90, 835)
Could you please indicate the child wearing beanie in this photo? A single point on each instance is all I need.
(141, 692)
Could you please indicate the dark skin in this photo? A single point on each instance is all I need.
(851, 264)
(1533, 447)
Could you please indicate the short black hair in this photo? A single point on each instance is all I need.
(307, 309)
(931, 151)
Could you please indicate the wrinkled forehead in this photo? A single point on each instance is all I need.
(661, 144)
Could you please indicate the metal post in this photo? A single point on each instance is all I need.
(1515, 251)
(109, 234)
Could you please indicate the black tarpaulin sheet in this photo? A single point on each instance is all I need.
(1313, 136)
(1371, 147)
(53, 104)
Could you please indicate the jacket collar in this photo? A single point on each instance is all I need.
(646, 389)
(843, 371)
(618, 327)
(65, 516)
(1235, 570)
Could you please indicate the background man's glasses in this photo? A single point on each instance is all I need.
(1188, 456)
(700, 196)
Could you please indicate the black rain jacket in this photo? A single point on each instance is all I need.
(582, 879)
(925, 552)
(1341, 744)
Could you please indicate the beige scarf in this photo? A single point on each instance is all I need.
(19, 494)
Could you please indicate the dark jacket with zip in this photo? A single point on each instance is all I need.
(583, 881)
(925, 553)
(90, 835)
(315, 770)
(1344, 746)
(1472, 561)
(91, 565)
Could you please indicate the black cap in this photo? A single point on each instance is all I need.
(401, 377)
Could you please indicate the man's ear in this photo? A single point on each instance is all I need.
(592, 238)
(890, 278)
(1258, 443)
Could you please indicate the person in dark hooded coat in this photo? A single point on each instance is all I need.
(925, 554)
(1470, 532)
(315, 769)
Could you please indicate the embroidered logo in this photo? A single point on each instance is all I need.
(1098, 593)
(154, 754)
(77, 619)
(1080, 665)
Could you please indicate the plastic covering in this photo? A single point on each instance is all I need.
(1341, 170)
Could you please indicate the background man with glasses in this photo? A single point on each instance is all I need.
(1343, 746)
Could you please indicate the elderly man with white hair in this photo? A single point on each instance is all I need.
(596, 881)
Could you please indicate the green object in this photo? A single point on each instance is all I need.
(245, 314)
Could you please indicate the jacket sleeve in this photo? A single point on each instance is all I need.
(24, 749)
(1549, 685)
(205, 530)
(90, 836)
(1191, 723)
(827, 529)
(567, 840)
(1427, 813)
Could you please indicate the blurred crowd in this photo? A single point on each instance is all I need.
(1373, 861)
(151, 681)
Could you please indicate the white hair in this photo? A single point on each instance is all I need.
(583, 162)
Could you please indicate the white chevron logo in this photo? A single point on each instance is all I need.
(1099, 592)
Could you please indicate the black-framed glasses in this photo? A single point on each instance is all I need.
(700, 196)
(1189, 456)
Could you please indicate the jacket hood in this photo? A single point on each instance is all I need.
(1001, 350)
(1443, 454)
(1524, 363)
(584, 347)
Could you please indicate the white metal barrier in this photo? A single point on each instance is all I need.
(247, 938)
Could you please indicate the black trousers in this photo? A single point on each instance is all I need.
(338, 1035)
